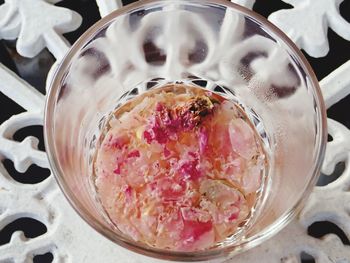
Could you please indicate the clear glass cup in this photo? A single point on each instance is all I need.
(217, 45)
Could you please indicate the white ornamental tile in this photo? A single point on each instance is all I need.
(10, 21)
(336, 85)
(37, 24)
(107, 6)
(247, 3)
(308, 22)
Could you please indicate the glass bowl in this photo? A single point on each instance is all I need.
(213, 44)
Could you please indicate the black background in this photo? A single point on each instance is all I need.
(34, 71)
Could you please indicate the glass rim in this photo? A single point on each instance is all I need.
(233, 249)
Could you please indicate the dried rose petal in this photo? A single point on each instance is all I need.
(134, 153)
